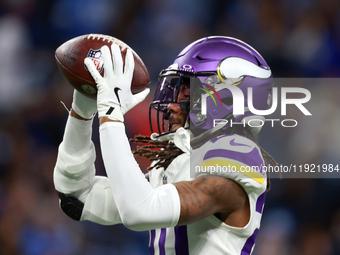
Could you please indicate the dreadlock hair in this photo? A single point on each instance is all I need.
(164, 152)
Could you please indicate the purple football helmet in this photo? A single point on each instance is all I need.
(213, 67)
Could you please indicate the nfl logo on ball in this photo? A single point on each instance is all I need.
(96, 56)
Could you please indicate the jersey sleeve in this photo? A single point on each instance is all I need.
(83, 195)
(234, 157)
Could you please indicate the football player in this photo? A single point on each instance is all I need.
(205, 190)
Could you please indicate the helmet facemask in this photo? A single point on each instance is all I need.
(171, 90)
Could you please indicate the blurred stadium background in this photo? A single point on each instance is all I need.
(298, 38)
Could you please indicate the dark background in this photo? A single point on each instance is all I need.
(298, 38)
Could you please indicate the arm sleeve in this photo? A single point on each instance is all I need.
(74, 175)
(140, 206)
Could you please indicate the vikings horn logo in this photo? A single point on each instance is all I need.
(233, 67)
(231, 72)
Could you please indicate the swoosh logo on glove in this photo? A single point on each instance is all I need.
(116, 89)
(110, 110)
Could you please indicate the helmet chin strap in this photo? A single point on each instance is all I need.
(161, 138)
(170, 134)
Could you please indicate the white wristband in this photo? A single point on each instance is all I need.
(112, 113)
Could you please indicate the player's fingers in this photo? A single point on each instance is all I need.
(92, 69)
(139, 97)
(106, 55)
(129, 64)
(117, 59)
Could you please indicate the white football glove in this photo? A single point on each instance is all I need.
(83, 105)
(114, 96)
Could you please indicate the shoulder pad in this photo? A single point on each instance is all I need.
(234, 147)
(234, 157)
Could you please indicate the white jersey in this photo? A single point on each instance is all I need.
(229, 156)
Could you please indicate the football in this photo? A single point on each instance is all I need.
(70, 60)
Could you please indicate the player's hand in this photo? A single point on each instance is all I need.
(114, 96)
(85, 107)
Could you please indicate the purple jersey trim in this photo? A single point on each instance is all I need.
(181, 240)
(233, 143)
(215, 139)
(252, 158)
(152, 240)
(260, 202)
(161, 242)
(249, 243)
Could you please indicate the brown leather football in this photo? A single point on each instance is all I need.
(70, 59)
